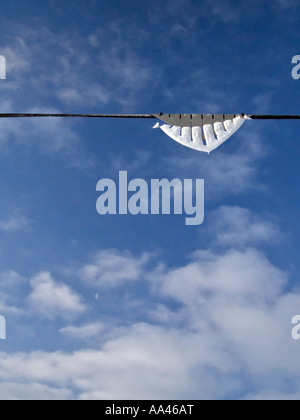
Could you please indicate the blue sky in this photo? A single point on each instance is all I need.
(124, 307)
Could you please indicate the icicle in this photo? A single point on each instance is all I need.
(205, 139)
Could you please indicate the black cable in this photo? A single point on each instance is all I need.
(77, 115)
(253, 117)
(275, 117)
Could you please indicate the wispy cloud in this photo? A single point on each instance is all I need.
(111, 268)
(14, 224)
(224, 12)
(113, 76)
(84, 332)
(91, 74)
(236, 226)
(283, 5)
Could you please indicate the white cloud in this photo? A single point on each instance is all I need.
(14, 224)
(230, 333)
(217, 326)
(236, 226)
(111, 268)
(84, 332)
(238, 299)
(146, 362)
(52, 299)
(17, 57)
(234, 275)
(270, 395)
(15, 391)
